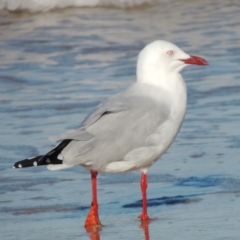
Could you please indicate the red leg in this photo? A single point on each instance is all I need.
(144, 216)
(92, 218)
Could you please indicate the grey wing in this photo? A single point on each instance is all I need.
(111, 105)
(118, 126)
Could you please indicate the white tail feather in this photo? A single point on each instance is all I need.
(55, 167)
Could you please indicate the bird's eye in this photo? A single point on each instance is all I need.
(170, 52)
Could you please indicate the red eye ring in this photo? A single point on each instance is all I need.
(170, 52)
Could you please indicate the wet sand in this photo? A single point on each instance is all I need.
(57, 66)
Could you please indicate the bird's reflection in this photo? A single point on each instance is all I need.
(145, 227)
(94, 231)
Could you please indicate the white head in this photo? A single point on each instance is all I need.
(161, 58)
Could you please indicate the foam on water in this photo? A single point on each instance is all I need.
(46, 5)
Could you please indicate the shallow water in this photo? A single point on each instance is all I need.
(57, 66)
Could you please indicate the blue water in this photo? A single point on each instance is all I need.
(57, 66)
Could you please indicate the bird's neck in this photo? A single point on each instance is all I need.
(171, 83)
(165, 80)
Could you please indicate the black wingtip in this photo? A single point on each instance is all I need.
(30, 162)
(49, 158)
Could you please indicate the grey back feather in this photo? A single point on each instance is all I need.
(119, 125)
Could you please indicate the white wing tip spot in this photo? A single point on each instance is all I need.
(35, 163)
(20, 165)
(60, 156)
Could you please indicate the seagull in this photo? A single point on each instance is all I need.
(131, 130)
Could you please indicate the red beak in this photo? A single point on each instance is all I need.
(195, 61)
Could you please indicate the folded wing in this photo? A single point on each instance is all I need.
(118, 126)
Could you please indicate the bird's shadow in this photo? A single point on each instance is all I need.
(165, 201)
